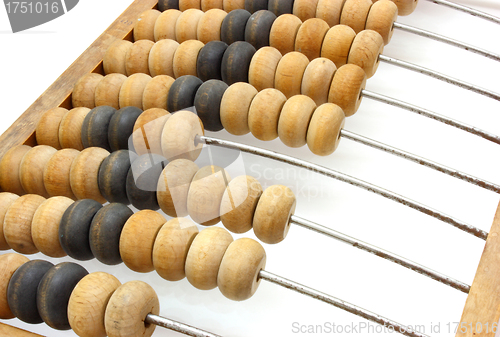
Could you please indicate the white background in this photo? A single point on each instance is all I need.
(30, 61)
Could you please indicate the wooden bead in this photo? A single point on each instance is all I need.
(47, 129)
(280, 7)
(317, 79)
(165, 25)
(207, 5)
(239, 202)
(186, 27)
(365, 51)
(234, 108)
(263, 68)
(238, 277)
(54, 292)
(142, 179)
(208, 64)
(323, 134)
(22, 290)
(209, 26)
(236, 62)
(345, 90)
(70, 129)
(405, 7)
(105, 230)
(207, 103)
(179, 136)
(173, 187)
(205, 194)
(283, 33)
(115, 58)
(84, 174)
(254, 6)
(31, 169)
(87, 304)
(107, 91)
(6, 199)
(136, 60)
(56, 178)
(310, 37)
(231, 5)
(113, 176)
(132, 90)
(294, 119)
(164, 5)
(329, 11)
(9, 263)
(258, 28)
(188, 4)
(185, 58)
(156, 92)
(305, 9)
(264, 114)
(121, 126)
(161, 58)
(205, 255)
(9, 169)
(144, 27)
(84, 91)
(95, 127)
(289, 73)
(148, 129)
(233, 25)
(127, 310)
(45, 226)
(171, 248)
(137, 240)
(354, 14)
(337, 43)
(381, 19)
(182, 93)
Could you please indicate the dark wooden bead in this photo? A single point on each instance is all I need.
(255, 5)
(95, 127)
(142, 181)
(75, 226)
(105, 232)
(121, 127)
(236, 62)
(207, 104)
(258, 28)
(209, 61)
(279, 7)
(22, 290)
(113, 176)
(54, 292)
(182, 92)
(233, 26)
(163, 5)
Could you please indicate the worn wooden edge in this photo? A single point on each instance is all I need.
(10, 331)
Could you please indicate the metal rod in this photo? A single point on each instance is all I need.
(390, 325)
(439, 76)
(347, 179)
(177, 326)
(381, 253)
(468, 10)
(419, 160)
(452, 42)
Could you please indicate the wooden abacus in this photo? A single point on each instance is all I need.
(278, 331)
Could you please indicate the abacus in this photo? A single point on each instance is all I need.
(286, 327)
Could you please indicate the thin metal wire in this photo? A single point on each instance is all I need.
(468, 10)
(391, 325)
(177, 326)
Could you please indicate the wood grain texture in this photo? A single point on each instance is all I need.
(8, 265)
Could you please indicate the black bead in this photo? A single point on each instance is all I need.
(163, 5)
(95, 127)
(233, 26)
(236, 62)
(207, 103)
(113, 176)
(255, 5)
(142, 181)
(280, 7)
(258, 28)
(182, 92)
(209, 61)
(121, 127)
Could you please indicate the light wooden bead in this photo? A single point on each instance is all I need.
(84, 91)
(188, 4)
(239, 270)
(186, 26)
(88, 302)
(107, 91)
(10, 180)
(156, 92)
(179, 136)
(365, 51)
(264, 114)
(17, 223)
(305, 9)
(115, 57)
(205, 194)
(185, 58)
(47, 129)
(235, 106)
(294, 119)
(381, 19)
(329, 11)
(127, 310)
(171, 248)
(137, 57)
(323, 134)
(70, 129)
(317, 79)
(137, 240)
(6, 199)
(9, 263)
(31, 169)
(239, 202)
(406, 7)
(230, 5)
(205, 255)
(283, 33)
(337, 43)
(132, 90)
(146, 136)
(310, 37)
(354, 14)
(145, 25)
(56, 178)
(207, 5)
(263, 68)
(210, 23)
(289, 73)
(161, 57)
(45, 226)
(165, 25)
(345, 90)
(84, 174)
